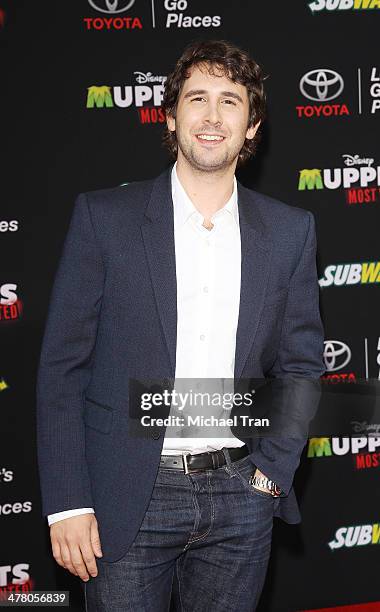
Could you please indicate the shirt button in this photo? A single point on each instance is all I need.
(202, 337)
(205, 289)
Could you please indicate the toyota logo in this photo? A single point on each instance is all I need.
(321, 85)
(111, 6)
(336, 355)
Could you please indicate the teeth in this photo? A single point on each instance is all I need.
(207, 137)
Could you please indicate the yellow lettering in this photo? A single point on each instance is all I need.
(358, 4)
(365, 4)
(375, 533)
(371, 272)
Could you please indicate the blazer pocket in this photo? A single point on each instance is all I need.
(98, 416)
(278, 296)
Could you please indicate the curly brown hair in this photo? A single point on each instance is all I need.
(232, 62)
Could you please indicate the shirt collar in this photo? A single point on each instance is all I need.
(184, 208)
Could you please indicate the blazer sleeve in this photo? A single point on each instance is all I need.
(299, 365)
(65, 367)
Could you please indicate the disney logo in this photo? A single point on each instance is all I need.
(148, 77)
(359, 427)
(355, 160)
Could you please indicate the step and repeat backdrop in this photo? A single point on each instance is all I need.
(82, 86)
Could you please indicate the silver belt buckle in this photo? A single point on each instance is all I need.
(184, 463)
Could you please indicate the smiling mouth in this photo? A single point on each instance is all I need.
(210, 138)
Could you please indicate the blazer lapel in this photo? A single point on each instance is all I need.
(256, 253)
(158, 236)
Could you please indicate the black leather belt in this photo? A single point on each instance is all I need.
(202, 461)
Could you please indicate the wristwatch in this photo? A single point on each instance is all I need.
(265, 483)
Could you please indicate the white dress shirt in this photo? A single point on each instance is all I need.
(208, 265)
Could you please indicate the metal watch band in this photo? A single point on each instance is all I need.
(265, 483)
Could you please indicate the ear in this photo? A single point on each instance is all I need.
(251, 132)
(170, 122)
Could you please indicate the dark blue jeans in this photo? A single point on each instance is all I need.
(210, 530)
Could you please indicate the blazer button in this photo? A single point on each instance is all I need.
(156, 435)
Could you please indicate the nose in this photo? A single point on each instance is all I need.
(213, 115)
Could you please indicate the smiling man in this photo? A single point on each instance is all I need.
(186, 276)
(211, 122)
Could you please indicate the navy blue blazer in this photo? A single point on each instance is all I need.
(113, 316)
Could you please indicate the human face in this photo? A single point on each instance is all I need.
(211, 122)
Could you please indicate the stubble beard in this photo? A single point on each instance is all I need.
(207, 162)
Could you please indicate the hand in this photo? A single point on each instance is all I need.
(75, 542)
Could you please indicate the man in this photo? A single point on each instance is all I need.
(190, 275)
